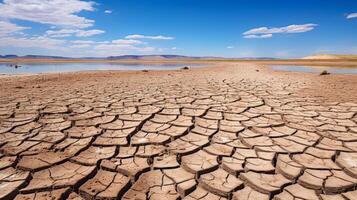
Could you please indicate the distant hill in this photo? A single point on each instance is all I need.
(147, 57)
(43, 57)
(136, 57)
(330, 56)
(258, 58)
(33, 57)
(158, 57)
(8, 56)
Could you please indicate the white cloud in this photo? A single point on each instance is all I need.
(265, 32)
(89, 42)
(123, 48)
(258, 36)
(7, 28)
(92, 48)
(285, 29)
(63, 19)
(73, 32)
(79, 46)
(87, 33)
(114, 47)
(351, 15)
(41, 42)
(60, 33)
(124, 42)
(230, 47)
(122, 45)
(54, 12)
(174, 48)
(158, 37)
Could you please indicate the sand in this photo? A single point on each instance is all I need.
(233, 130)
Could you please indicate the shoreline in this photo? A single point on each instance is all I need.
(206, 64)
(326, 86)
(99, 71)
(315, 62)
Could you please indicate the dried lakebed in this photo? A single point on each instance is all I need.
(222, 133)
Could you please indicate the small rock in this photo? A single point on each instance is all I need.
(185, 68)
(324, 73)
(257, 70)
(145, 70)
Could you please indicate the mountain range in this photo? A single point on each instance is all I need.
(133, 57)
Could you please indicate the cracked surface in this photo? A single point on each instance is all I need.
(221, 133)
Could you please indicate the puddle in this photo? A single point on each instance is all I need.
(315, 69)
(36, 68)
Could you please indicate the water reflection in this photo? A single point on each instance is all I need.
(35, 68)
(316, 69)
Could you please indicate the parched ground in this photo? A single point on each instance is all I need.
(235, 131)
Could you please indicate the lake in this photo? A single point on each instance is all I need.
(315, 69)
(36, 68)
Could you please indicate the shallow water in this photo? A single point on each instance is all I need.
(36, 68)
(315, 69)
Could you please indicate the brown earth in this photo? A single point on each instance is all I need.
(232, 131)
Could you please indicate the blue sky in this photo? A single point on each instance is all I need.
(229, 28)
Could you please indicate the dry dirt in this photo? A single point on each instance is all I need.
(233, 131)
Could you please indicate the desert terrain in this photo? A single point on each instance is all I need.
(234, 130)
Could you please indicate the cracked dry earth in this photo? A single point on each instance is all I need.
(219, 133)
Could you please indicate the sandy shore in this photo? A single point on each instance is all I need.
(230, 131)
